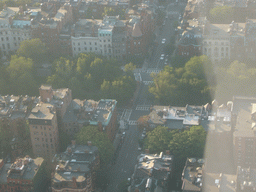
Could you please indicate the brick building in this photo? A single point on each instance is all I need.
(152, 172)
(102, 114)
(44, 130)
(50, 23)
(244, 135)
(13, 113)
(20, 175)
(76, 169)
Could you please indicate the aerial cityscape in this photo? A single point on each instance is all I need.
(127, 95)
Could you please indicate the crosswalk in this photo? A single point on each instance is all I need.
(148, 82)
(143, 107)
(132, 122)
(153, 71)
(126, 114)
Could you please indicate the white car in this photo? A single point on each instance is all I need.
(163, 41)
(162, 57)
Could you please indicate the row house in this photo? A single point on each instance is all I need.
(106, 37)
(76, 169)
(95, 8)
(14, 28)
(101, 114)
(216, 41)
(50, 24)
(152, 172)
(22, 175)
(13, 114)
(190, 40)
(139, 29)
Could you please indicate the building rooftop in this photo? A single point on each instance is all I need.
(217, 182)
(75, 162)
(192, 175)
(245, 125)
(14, 106)
(90, 111)
(42, 111)
(152, 171)
(24, 168)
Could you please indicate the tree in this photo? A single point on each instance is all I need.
(109, 11)
(143, 122)
(98, 139)
(21, 76)
(33, 49)
(236, 79)
(221, 14)
(189, 143)
(180, 86)
(158, 140)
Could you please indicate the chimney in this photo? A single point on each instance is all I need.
(74, 182)
(69, 150)
(89, 143)
(100, 126)
(10, 20)
(167, 152)
(147, 151)
(73, 143)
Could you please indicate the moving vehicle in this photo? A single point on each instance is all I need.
(163, 41)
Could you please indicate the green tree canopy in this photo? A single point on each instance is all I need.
(221, 14)
(158, 139)
(33, 49)
(21, 76)
(180, 86)
(236, 79)
(98, 139)
(188, 143)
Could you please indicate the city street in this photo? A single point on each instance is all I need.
(127, 157)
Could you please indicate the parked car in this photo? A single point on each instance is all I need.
(163, 41)
(162, 57)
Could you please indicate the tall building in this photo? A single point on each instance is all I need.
(59, 98)
(76, 169)
(44, 130)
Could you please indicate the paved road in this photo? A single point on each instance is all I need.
(127, 157)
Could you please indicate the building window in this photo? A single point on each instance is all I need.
(3, 46)
(14, 38)
(90, 48)
(95, 48)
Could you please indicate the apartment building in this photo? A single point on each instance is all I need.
(216, 41)
(51, 19)
(105, 37)
(85, 37)
(44, 130)
(101, 114)
(152, 172)
(15, 27)
(76, 169)
(178, 117)
(20, 175)
(59, 98)
(13, 113)
(244, 135)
